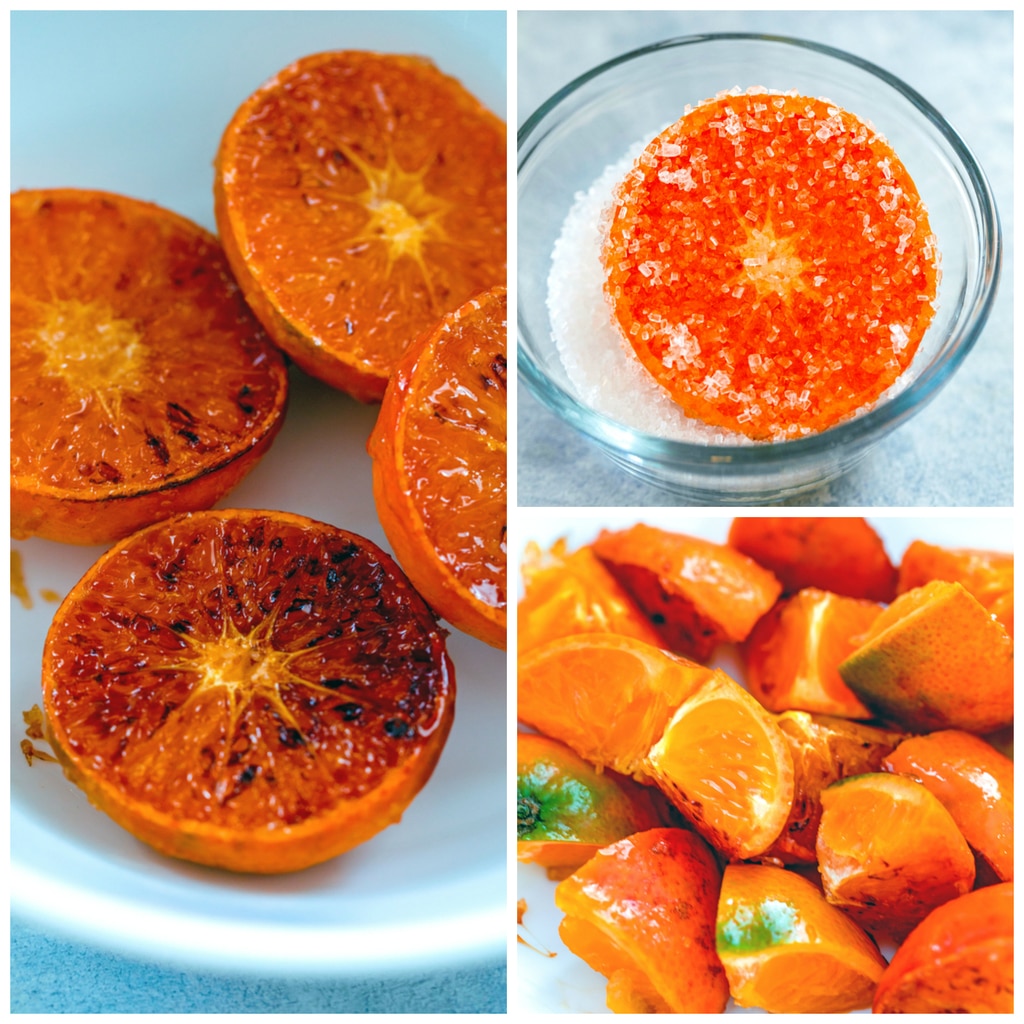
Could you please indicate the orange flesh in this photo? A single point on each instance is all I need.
(250, 672)
(771, 264)
(366, 196)
(135, 364)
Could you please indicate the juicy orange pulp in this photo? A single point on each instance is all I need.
(794, 652)
(786, 949)
(248, 690)
(771, 263)
(439, 466)
(567, 593)
(361, 197)
(141, 385)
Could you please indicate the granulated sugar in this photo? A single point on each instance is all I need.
(766, 326)
(607, 377)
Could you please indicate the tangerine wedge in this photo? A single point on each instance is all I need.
(794, 652)
(642, 913)
(360, 197)
(889, 852)
(724, 762)
(825, 749)
(843, 555)
(935, 659)
(988, 575)
(608, 697)
(572, 592)
(699, 593)
(959, 959)
(785, 949)
(439, 466)
(770, 262)
(141, 385)
(567, 810)
(245, 689)
(973, 781)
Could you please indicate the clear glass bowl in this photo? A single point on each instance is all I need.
(589, 124)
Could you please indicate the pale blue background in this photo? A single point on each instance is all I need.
(959, 450)
(135, 102)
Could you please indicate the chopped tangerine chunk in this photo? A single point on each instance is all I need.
(771, 263)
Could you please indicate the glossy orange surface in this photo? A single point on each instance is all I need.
(572, 592)
(642, 912)
(360, 197)
(771, 263)
(973, 781)
(935, 659)
(141, 385)
(251, 690)
(843, 555)
(439, 466)
(959, 959)
(794, 652)
(785, 949)
(889, 852)
(697, 592)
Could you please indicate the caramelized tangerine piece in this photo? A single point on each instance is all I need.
(141, 385)
(439, 466)
(250, 690)
(360, 197)
(771, 263)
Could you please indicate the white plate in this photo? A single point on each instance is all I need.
(135, 103)
(550, 979)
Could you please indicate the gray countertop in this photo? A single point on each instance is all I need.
(958, 450)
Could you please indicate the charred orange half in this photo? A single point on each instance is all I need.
(249, 690)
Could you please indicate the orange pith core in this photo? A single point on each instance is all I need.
(771, 264)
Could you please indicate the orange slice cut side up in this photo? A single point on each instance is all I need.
(439, 466)
(141, 385)
(360, 197)
(771, 263)
(248, 690)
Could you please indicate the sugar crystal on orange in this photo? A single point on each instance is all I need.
(771, 263)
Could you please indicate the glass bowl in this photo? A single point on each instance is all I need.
(591, 123)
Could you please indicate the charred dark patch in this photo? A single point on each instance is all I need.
(159, 448)
(190, 435)
(396, 728)
(349, 712)
(179, 415)
(290, 738)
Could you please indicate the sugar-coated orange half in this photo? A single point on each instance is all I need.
(361, 196)
(249, 690)
(959, 959)
(439, 466)
(698, 593)
(642, 913)
(141, 384)
(771, 263)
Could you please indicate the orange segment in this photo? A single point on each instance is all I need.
(794, 652)
(567, 810)
(572, 592)
(959, 959)
(724, 762)
(988, 575)
(889, 852)
(841, 555)
(141, 385)
(250, 690)
(824, 750)
(973, 781)
(785, 949)
(935, 659)
(439, 466)
(642, 913)
(360, 197)
(608, 697)
(699, 593)
(771, 263)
